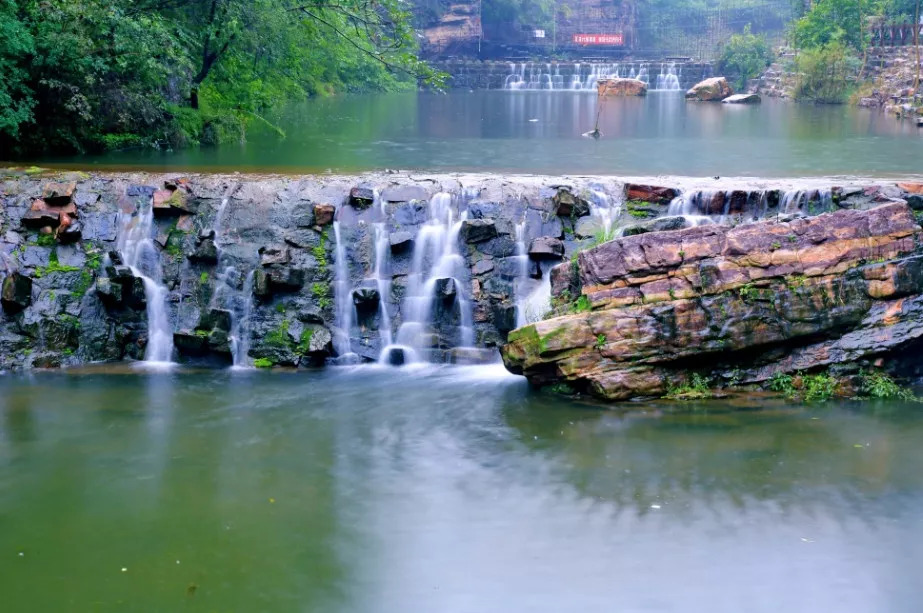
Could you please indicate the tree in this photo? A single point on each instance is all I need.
(746, 55)
(833, 21)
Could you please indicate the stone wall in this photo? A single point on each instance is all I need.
(262, 250)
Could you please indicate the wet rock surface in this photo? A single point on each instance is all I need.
(248, 263)
(760, 299)
(713, 89)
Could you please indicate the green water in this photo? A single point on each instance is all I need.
(540, 132)
(445, 490)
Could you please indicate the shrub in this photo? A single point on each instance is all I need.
(746, 55)
(879, 385)
(824, 74)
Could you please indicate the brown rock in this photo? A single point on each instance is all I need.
(713, 89)
(736, 298)
(59, 194)
(323, 214)
(650, 193)
(611, 88)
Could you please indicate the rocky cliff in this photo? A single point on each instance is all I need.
(302, 270)
(742, 303)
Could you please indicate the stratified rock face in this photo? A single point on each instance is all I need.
(713, 89)
(762, 298)
(611, 88)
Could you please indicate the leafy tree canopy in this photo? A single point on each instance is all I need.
(102, 73)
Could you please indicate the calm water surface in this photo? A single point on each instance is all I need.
(448, 490)
(540, 132)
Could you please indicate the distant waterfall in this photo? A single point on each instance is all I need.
(382, 278)
(438, 274)
(345, 309)
(668, 79)
(535, 76)
(136, 247)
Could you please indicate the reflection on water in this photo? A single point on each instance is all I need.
(540, 132)
(445, 489)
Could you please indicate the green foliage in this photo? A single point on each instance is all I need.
(320, 252)
(600, 341)
(783, 383)
(321, 292)
(819, 387)
(45, 240)
(263, 363)
(561, 388)
(53, 266)
(203, 278)
(746, 55)
(697, 387)
(829, 22)
(111, 74)
(748, 292)
(603, 236)
(279, 336)
(639, 209)
(825, 73)
(582, 305)
(877, 384)
(304, 343)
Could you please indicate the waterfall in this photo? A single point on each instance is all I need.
(529, 76)
(605, 210)
(138, 253)
(667, 79)
(522, 278)
(382, 277)
(233, 291)
(438, 271)
(687, 205)
(345, 309)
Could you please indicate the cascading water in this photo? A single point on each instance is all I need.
(233, 291)
(345, 309)
(438, 271)
(136, 247)
(529, 76)
(382, 280)
(520, 290)
(668, 80)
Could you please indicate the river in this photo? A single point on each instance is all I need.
(445, 489)
(540, 132)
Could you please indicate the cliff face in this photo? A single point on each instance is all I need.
(757, 299)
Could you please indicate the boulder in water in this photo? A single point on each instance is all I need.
(742, 99)
(611, 88)
(205, 252)
(445, 288)
(709, 90)
(396, 356)
(504, 316)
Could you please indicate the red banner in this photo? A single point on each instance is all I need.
(614, 40)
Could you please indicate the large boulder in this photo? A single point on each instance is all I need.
(761, 299)
(713, 89)
(568, 204)
(650, 193)
(478, 230)
(546, 248)
(612, 88)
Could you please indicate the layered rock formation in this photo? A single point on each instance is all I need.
(644, 312)
(293, 271)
